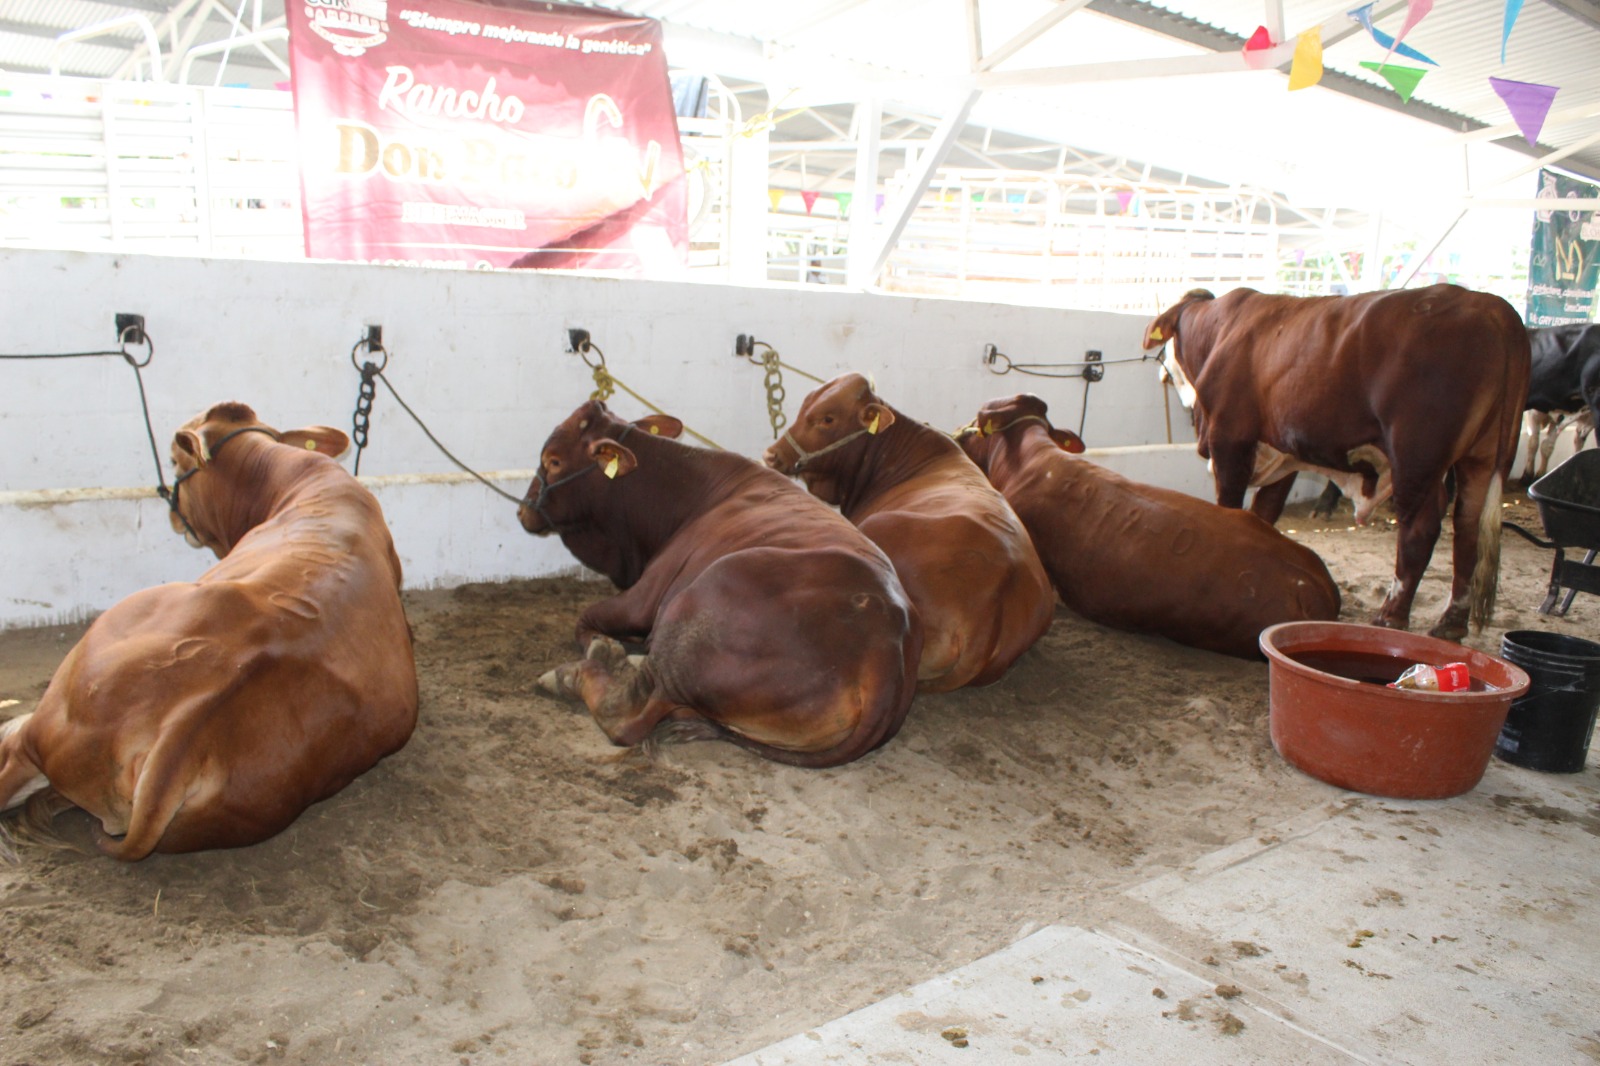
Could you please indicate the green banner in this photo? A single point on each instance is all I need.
(1565, 262)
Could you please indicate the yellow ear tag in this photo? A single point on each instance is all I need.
(311, 445)
(988, 428)
(1155, 333)
(655, 431)
(872, 427)
(611, 467)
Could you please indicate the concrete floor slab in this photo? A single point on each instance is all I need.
(1367, 930)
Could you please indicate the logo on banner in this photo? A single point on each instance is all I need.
(351, 26)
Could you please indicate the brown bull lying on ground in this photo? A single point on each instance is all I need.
(1138, 557)
(771, 622)
(210, 714)
(964, 557)
(1412, 383)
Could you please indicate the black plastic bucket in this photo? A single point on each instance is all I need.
(1550, 727)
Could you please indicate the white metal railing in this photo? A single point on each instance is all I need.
(180, 169)
(148, 167)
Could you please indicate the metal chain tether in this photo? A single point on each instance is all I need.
(361, 422)
(775, 391)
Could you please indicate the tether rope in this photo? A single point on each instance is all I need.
(361, 423)
(131, 334)
(606, 383)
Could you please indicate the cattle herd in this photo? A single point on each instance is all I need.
(796, 620)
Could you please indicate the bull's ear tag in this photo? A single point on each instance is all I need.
(872, 427)
(612, 465)
(655, 431)
(1155, 333)
(311, 445)
(988, 429)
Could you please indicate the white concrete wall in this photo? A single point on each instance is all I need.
(482, 358)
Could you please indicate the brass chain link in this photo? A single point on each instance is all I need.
(775, 391)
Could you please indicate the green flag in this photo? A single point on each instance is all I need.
(1402, 79)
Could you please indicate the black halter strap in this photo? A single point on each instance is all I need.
(537, 501)
(171, 495)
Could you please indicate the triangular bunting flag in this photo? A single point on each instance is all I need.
(1306, 70)
(1513, 9)
(810, 198)
(1363, 15)
(1528, 104)
(1416, 11)
(1124, 196)
(877, 204)
(1402, 80)
(1259, 42)
(844, 199)
(774, 197)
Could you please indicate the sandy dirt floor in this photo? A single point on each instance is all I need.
(508, 889)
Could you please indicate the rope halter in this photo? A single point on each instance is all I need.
(171, 495)
(537, 502)
(803, 457)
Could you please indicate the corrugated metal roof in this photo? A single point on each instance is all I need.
(1193, 124)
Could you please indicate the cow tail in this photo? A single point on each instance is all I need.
(17, 773)
(1486, 573)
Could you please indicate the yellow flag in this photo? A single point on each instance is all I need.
(774, 197)
(1306, 70)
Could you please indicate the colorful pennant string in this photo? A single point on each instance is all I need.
(810, 199)
(1363, 15)
(775, 197)
(1402, 80)
(844, 199)
(1528, 104)
(1306, 69)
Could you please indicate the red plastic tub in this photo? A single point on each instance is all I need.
(1333, 717)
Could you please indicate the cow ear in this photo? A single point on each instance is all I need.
(615, 461)
(1068, 440)
(193, 445)
(660, 426)
(1156, 334)
(876, 418)
(325, 439)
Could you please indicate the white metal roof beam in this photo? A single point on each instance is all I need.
(944, 137)
(1040, 26)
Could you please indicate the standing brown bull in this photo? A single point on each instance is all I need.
(1413, 383)
(965, 560)
(209, 714)
(770, 621)
(1139, 557)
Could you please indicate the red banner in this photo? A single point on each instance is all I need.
(479, 133)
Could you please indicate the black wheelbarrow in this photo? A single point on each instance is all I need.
(1569, 506)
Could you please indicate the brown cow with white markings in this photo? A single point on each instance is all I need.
(769, 620)
(1139, 557)
(963, 556)
(1411, 385)
(210, 714)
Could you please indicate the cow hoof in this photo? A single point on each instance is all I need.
(561, 682)
(1449, 631)
(607, 652)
